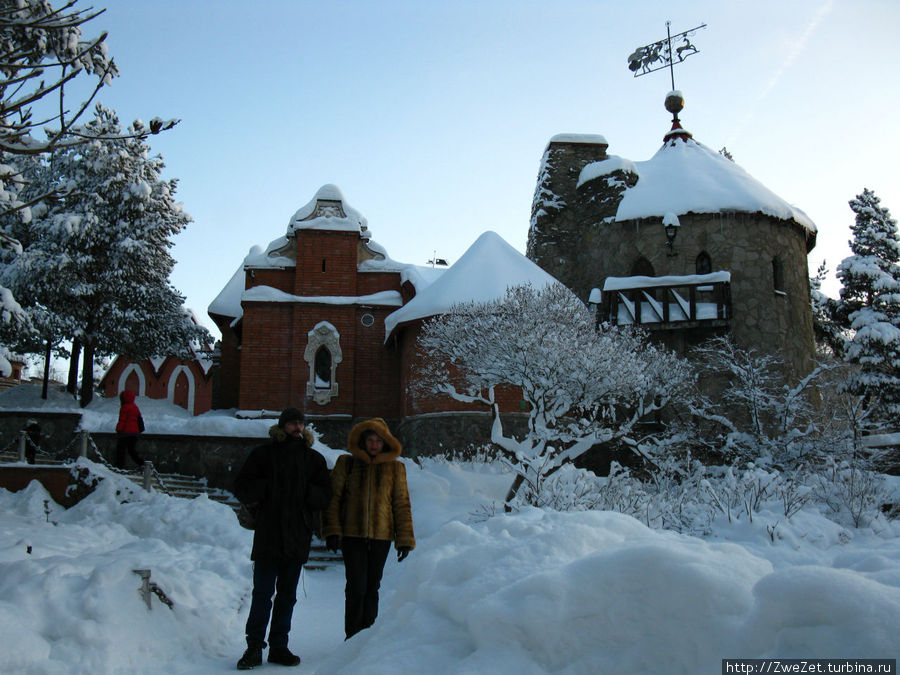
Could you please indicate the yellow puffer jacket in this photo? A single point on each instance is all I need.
(370, 498)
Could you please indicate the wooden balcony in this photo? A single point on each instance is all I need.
(665, 303)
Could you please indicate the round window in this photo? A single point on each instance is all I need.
(368, 320)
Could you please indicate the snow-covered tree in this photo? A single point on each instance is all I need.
(870, 303)
(42, 53)
(99, 257)
(830, 337)
(582, 386)
(757, 416)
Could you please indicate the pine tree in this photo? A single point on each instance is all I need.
(828, 332)
(99, 258)
(870, 306)
(42, 55)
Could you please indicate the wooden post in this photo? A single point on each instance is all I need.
(147, 467)
(692, 295)
(22, 440)
(83, 446)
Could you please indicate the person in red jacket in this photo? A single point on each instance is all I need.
(130, 425)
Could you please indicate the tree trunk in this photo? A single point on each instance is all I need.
(513, 491)
(72, 385)
(46, 369)
(87, 374)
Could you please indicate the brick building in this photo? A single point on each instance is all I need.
(185, 382)
(323, 319)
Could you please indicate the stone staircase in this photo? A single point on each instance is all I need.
(189, 487)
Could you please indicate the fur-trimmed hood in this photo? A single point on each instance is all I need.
(392, 447)
(279, 436)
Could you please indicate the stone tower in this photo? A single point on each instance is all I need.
(687, 243)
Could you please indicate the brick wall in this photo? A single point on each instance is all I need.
(229, 370)
(157, 382)
(266, 356)
(326, 263)
(417, 400)
(274, 371)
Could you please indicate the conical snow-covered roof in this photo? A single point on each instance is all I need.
(483, 273)
(685, 176)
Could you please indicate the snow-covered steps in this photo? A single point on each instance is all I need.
(321, 558)
(185, 487)
(189, 487)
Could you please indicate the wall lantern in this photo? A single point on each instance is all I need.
(671, 225)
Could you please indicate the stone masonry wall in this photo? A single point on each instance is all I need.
(575, 238)
(774, 321)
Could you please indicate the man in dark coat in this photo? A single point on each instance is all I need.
(285, 482)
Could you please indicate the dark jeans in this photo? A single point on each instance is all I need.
(363, 564)
(125, 445)
(281, 580)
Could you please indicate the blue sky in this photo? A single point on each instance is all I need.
(432, 116)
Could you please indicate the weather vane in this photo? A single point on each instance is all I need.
(663, 54)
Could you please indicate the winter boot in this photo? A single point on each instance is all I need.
(283, 656)
(251, 658)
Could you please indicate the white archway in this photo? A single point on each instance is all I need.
(170, 396)
(142, 382)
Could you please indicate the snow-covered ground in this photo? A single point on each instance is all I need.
(532, 592)
(160, 416)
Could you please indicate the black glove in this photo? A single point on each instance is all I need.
(333, 542)
(402, 552)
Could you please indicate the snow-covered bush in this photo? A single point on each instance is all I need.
(759, 416)
(582, 387)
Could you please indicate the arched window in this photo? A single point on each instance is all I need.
(322, 368)
(703, 264)
(642, 268)
(323, 354)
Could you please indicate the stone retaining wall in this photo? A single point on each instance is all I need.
(218, 458)
(57, 428)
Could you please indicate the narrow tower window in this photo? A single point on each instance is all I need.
(642, 268)
(703, 263)
(778, 274)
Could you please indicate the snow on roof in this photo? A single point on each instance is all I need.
(618, 283)
(685, 176)
(328, 210)
(269, 294)
(228, 301)
(272, 258)
(595, 139)
(420, 276)
(483, 273)
(605, 167)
